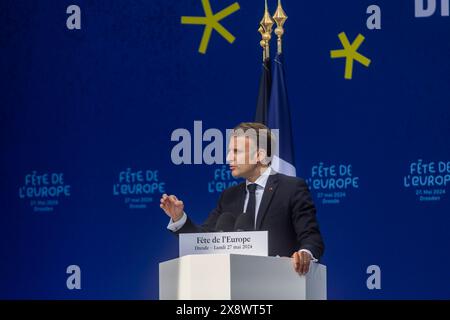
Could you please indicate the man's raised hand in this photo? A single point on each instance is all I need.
(173, 207)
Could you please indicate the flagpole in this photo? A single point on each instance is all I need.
(280, 18)
(265, 29)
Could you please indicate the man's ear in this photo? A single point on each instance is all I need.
(262, 156)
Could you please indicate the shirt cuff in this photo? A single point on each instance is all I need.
(312, 257)
(175, 226)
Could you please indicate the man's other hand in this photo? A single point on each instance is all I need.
(173, 207)
(301, 261)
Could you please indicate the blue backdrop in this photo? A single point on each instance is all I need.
(86, 117)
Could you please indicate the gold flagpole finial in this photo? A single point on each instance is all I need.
(280, 18)
(265, 28)
(262, 42)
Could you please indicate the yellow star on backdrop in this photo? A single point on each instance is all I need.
(350, 53)
(211, 21)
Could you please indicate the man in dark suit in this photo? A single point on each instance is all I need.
(271, 201)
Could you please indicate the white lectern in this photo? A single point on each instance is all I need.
(239, 277)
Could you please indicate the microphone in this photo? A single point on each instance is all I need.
(244, 223)
(225, 223)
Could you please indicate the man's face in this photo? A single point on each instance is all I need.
(242, 156)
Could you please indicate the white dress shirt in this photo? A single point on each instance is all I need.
(260, 185)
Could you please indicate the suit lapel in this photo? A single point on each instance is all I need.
(240, 201)
(269, 191)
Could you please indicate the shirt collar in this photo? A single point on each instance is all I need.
(262, 179)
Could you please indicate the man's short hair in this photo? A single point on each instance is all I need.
(259, 133)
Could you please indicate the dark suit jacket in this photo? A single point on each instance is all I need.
(287, 211)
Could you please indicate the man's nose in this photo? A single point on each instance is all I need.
(229, 157)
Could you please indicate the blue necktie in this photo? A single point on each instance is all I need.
(251, 204)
